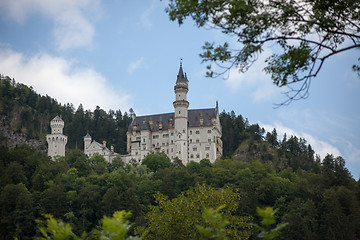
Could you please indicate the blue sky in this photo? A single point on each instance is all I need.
(125, 54)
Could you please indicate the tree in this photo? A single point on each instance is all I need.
(156, 161)
(304, 33)
(178, 218)
(17, 212)
(112, 228)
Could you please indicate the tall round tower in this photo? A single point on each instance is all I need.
(181, 106)
(56, 140)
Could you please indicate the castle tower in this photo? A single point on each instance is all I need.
(56, 140)
(181, 106)
(87, 142)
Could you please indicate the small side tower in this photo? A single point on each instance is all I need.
(56, 140)
(181, 106)
(87, 142)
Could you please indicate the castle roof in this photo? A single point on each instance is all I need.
(166, 121)
(181, 78)
(57, 118)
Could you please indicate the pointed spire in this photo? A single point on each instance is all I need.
(181, 77)
(217, 104)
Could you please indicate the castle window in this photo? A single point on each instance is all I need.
(172, 150)
(194, 148)
(165, 135)
(172, 141)
(183, 130)
(192, 156)
(144, 139)
(207, 148)
(144, 148)
(190, 132)
(197, 140)
(197, 155)
(179, 112)
(190, 140)
(197, 132)
(155, 136)
(209, 131)
(207, 155)
(163, 144)
(172, 134)
(209, 139)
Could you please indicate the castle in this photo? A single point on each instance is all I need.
(92, 147)
(56, 140)
(189, 135)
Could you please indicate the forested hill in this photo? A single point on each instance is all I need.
(25, 117)
(318, 199)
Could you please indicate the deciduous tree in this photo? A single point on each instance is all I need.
(303, 33)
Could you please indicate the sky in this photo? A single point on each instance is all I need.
(119, 54)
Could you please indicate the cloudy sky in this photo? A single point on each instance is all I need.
(121, 54)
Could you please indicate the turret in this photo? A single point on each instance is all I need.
(56, 140)
(181, 106)
(87, 141)
(57, 125)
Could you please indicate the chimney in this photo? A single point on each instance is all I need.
(104, 144)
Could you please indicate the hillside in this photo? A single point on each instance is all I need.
(25, 117)
(318, 199)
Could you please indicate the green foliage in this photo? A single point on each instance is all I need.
(178, 218)
(111, 228)
(17, 212)
(156, 161)
(215, 224)
(268, 219)
(115, 227)
(53, 229)
(286, 25)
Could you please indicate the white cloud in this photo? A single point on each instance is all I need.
(320, 147)
(145, 16)
(62, 80)
(135, 65)
(72, 27)
(353, 152)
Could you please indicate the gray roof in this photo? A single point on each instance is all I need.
(57, 118)
(168, 121)
(181, 77)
